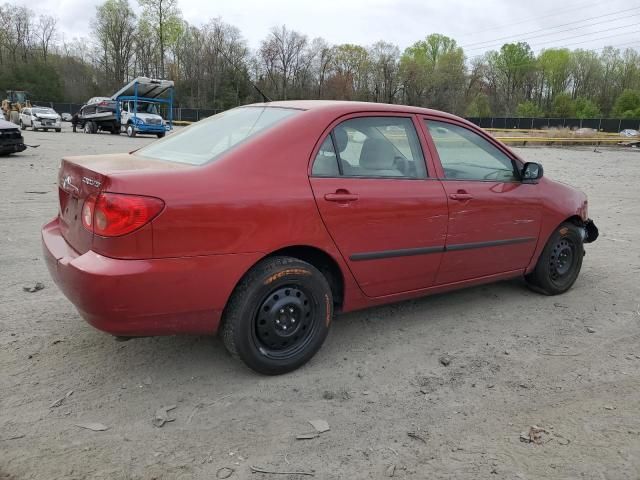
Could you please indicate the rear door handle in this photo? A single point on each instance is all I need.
(460, 196)
(341, 197)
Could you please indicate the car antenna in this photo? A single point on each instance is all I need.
(262, 94)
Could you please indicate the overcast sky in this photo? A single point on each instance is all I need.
(476, 25)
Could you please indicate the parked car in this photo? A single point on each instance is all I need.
(66, 116)
(98, 114)
(11, 140)
(237, 225)
(43, 118)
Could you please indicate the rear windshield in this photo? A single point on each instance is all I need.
(208, 139)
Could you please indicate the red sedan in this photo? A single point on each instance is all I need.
(260, 222)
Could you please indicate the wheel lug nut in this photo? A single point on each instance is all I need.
(282, 310)
(284, 327)
(290, 309)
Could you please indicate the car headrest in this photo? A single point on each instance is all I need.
(342, 138)
(377, 154)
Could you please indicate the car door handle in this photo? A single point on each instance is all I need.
(460, 196)
(341, 196)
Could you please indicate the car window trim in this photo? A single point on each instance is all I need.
(515, 161)
(348, 116)
(335, 151)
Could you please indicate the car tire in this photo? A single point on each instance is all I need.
(22, 125)
(560, 262)
(161, 135)
(131, 132)
(58, 130)
(89, 127)
(278, 316)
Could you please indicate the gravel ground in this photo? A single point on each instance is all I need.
(569, 365)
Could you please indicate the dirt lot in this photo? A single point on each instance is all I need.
(518, 359)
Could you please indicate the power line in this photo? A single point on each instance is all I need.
(599, 38)
(554, 14)
(562, 25)
(570, 37)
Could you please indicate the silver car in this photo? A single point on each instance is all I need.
(43, 118)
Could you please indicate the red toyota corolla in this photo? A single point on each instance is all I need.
(261, 221)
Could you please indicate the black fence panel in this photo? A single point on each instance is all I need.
(573, 123)
(610, 125)
(475, 120)
(539, 123)
(511, 123)
(629, 123)
(591, 123)
(525, 123)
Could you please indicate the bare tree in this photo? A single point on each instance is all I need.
(281, 55)
(45, 32)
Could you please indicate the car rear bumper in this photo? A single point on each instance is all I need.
(144, 297)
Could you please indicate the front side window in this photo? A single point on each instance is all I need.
(208, 139)
(465, 155)
(373, 147)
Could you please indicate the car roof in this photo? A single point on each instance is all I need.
(342, 107)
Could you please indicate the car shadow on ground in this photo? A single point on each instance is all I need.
(204, 357)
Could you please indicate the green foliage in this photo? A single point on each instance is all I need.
(627, 104)
(433, 72)
(563, 106)
(479, 107)
(529, 109)
(39, 79)
(586, 108)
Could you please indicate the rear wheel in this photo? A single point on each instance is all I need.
(89, 127)
(161, 135)
(278, 316)
(22, 125)
(560, 262)
(58, 130)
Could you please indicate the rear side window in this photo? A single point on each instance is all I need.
(208, 139)
(368, 147)
(326, 162)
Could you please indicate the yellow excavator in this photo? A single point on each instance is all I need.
(14, 102)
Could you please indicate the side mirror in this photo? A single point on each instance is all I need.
(531, 172)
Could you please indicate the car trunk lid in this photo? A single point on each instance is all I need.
(82, 177)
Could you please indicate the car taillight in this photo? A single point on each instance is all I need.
(115, 214)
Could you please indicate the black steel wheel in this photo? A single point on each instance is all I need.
(560, 262)
(284, 323)
(278, 316)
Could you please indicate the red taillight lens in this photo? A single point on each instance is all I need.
(115, 214)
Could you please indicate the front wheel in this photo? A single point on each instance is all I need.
(22, 125)
(161, 135)
(131, 132)
(278, 316)
(560, 261)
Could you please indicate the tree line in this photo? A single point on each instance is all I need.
(212, 66)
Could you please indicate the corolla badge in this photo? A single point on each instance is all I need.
(91, 181)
